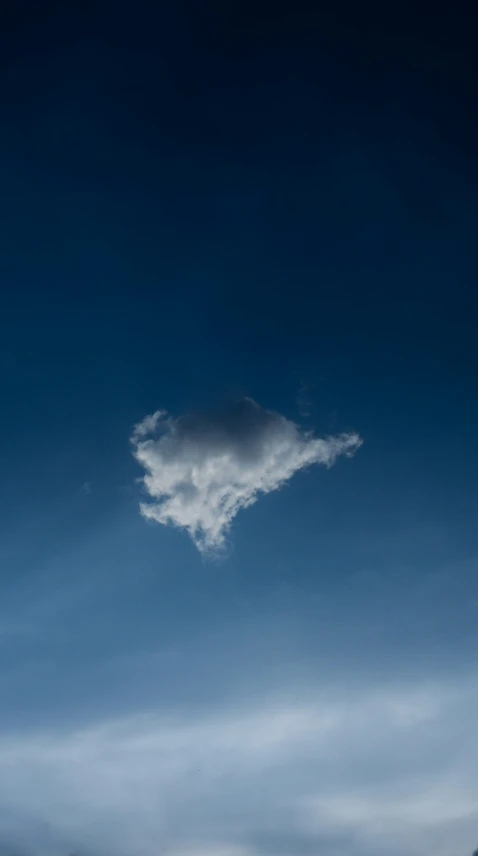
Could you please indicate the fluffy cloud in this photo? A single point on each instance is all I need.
(381, 771)
(200, 471)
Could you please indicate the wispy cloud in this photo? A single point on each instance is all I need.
(382, 771)
(202, 470)
(304, 398)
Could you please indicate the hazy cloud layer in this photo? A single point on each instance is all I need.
(200, 471)
(380, 772)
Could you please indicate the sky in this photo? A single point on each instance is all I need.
(238, 467)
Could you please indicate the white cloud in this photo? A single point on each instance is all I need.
(149, 424)
(330, 775)
(200, 471)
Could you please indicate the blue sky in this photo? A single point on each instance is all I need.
(260, 224)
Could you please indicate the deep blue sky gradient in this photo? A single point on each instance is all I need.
(204, 205)
(223, 200)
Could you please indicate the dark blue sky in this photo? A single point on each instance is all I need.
(202, 203)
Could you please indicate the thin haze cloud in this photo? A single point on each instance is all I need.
(382, 771)
(202, 470)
